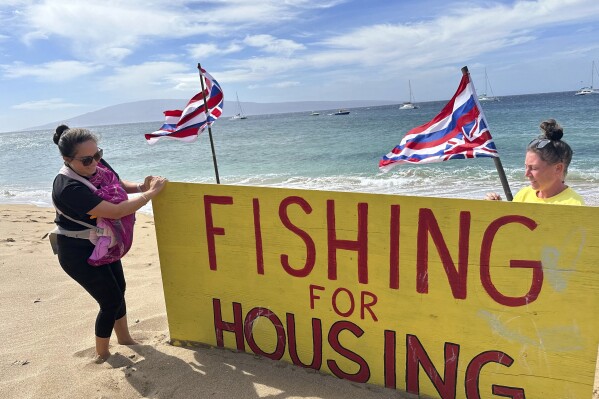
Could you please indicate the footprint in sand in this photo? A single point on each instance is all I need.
(152, 323)
(116, 360)
(89, 353)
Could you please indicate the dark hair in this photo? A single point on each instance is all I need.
(556, 150)
(68, 139)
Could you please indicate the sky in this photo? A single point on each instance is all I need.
(63, 58)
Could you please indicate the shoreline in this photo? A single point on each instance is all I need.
(591, 198)
(48, 344)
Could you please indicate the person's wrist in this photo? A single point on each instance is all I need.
(140, 188)
(150, 193)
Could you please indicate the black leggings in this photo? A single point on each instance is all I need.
(106, 283)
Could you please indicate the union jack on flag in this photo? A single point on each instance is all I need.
(185, 125)
(459, 131)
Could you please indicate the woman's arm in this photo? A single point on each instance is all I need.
(109, 210)
(131, 188)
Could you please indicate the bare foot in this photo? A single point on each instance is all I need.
(99, 359)
(127, 341)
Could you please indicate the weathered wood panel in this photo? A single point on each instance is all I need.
(443, 297)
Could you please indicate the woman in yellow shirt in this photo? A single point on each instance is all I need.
(546, 167)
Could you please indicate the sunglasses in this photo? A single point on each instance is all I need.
(538, 143)
(86, 161)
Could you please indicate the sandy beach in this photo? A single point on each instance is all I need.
(47, 333)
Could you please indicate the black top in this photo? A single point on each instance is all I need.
(75, 199)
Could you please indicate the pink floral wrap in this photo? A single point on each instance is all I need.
(117, 238)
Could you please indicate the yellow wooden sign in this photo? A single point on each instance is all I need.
(443, 297)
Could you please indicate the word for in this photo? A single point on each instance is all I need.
(367, 301)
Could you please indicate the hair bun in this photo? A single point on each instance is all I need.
(59, 131)
(552, 130)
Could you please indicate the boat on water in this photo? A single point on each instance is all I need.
(585, 90)
(341, 112)
(485, 96)
(314, 113)
(409, 104)
(239, 114)
(589, 89)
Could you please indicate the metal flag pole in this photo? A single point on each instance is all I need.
(504, 183)
(496, 160)
(209, 129)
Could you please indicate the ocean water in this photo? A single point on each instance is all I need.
(325, 152)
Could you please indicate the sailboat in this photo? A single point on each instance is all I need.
(240, 114)
(588, 90)
(485, 96)
(409, 104)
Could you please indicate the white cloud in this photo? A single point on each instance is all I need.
(233, 75)
(110, 30)
(450, 39)
(578, 51)
(426, 49)
(270, 44)
(205, 50)
(459, 36)
(202, 50)
(45, 105)
(151, 79)
(31, 37)
(259, 69)
(286, 84)
(55, 71)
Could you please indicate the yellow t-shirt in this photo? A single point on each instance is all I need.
(566, 197)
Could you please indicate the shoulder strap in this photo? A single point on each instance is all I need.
(83, 234)
(89, 226)
(69, 173)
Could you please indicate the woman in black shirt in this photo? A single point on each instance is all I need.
(75, 200)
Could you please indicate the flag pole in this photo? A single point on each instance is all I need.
(504, 183)
(209, 129)
(496, 160)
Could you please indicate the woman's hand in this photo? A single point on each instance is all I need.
(146, 184)
(493, 197)
(154, 185)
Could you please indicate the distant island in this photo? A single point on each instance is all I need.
(152, 111)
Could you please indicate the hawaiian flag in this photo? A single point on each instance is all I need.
(459, 131)
(187, 124)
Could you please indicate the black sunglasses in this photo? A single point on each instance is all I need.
(86, 161)
(538, 143)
